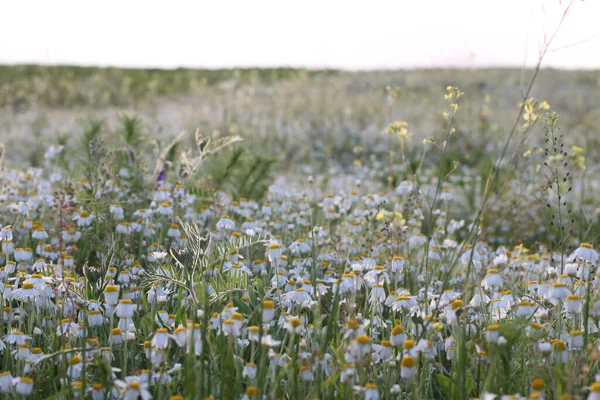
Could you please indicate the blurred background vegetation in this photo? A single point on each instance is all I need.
(72, 86)
(336, 115)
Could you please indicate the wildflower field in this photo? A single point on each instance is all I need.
(268, 234)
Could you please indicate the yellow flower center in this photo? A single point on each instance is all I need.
(538, 384)
(408, 361)
(363, 339)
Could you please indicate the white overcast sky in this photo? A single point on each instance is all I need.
(309, 33)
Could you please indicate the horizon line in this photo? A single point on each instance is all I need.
(301, 67)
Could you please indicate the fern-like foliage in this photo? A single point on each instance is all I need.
(166, 155)
(192, 267)
(206, 147)
(132, 135)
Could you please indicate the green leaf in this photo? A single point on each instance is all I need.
(470, 384)
(147, 324)
(252, 297)
(260, 288)
(242, 307)
(446, 384)
(181, 317)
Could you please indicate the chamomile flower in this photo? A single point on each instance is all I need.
(376, 276)
(84, 218)
(116, 336)
(111, 295)
(586, 253)
(575, 340)
(133, 388)
(409, 347)
(398, 336)
(371, 392)
(6, 382)
(451, 313)
(525, 309)
(116, 211)
(180, 336)
(408, 367)
(538, 387)
(492, 280)
(174, 231)
(230, 328)
(26, 293)
(125, 309)
(558, 292)
(249, 371)
(38, 234)
(404, 302)
(560, 350)
(268, 311)
(362, 345)
(384, 350)
(16, 337)
(377, 295)
(299, 247)
(479, 298)
(225, 224)
(294, 325)
(75, 367)
(6, 234)
(274, 252)
(23, 385)
(268, 341)
(594, 391)
(492, 334)
(297, 296)
(165, 208)
(573, 304)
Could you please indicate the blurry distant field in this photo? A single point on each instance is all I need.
(328, 112)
